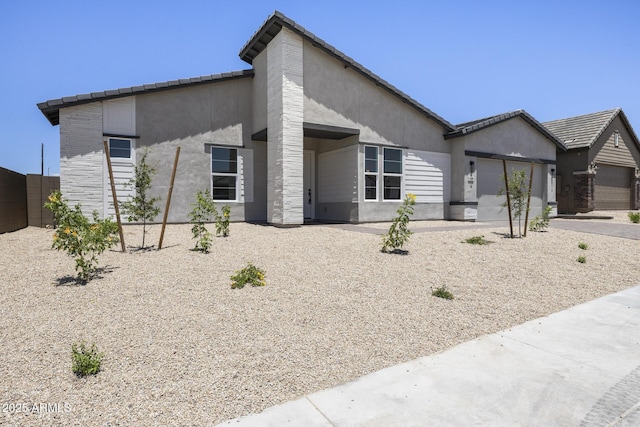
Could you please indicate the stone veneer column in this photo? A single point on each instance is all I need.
(284, 129)
(583, 191)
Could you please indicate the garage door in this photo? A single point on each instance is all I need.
(613, 187)
(490, 173)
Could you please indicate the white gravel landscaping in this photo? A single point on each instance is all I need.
(182, 348)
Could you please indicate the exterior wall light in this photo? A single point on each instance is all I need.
(553, 173)
(616, 139)
(472, 166)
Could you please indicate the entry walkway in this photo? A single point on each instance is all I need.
(578, 367)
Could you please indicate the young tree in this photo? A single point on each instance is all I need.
(518, 194)
(142, 207)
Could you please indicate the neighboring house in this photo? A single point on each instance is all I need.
(306, 134)
(600, 168)
(478, 149)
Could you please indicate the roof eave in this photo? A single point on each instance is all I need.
(51, 109)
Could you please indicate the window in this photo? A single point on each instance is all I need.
(370, 173)
(392, 174)
(224, 173)
(120, 148)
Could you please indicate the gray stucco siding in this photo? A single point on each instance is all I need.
(513, 137)
(193, 118)
(339, 96)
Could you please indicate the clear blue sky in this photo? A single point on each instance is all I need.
(462, 59)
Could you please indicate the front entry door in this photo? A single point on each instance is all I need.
(309, 185)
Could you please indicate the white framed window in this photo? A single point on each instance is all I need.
(120, 148)
(370, 172)
(224, 173)
(392, 174)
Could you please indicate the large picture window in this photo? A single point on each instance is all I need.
(392, 174)
(370, 173)
(224, 173)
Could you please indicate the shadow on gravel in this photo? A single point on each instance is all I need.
(74, 281)
(396, 252)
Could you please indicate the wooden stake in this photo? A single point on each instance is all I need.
(166, 209)
(506, 184)
(526, 217)
(113, 193)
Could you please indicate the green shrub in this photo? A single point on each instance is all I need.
(582, 259)
(250, 274)
(540, 222)
(202, 212)
(398, 233)
(583, 246)
(81, 239)
(442, 292)
(86, 360)
(478, 240)
(222, 221)
(634, 217)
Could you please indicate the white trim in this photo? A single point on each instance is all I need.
(376, 173)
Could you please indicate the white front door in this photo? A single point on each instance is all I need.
(309, 174)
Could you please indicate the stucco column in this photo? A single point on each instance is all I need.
(285, 135)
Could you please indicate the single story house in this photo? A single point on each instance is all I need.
(601, 168)
(306, 134)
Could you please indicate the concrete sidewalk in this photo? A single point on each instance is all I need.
(578, 367)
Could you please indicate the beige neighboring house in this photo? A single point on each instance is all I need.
(600, 169)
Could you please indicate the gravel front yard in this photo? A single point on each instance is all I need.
(181, 347)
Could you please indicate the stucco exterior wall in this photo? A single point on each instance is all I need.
(81, 156)
(339, 96)
(193, 118)
(514, 137)
(259, 92)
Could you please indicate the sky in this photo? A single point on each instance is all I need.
(464, 60)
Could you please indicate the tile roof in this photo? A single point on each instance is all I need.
(51, 108)
(476, 125)
(272, 26)
(583, 131)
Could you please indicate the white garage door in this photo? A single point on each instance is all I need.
(613, 187)
(490, 173)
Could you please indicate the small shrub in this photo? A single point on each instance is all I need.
(78, 237)
(222, 221)
(142, 206)
(86, 360)
(202, 212)
(478, 240)
(634, 217)
(582, 259)
(250, 274)
(398, 233)
(442, 292)
(518, 195)
(540, 222)
(583, 246)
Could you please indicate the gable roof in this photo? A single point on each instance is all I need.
(272, 26)
(583, 131)
(476, 125)
(51, 108)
